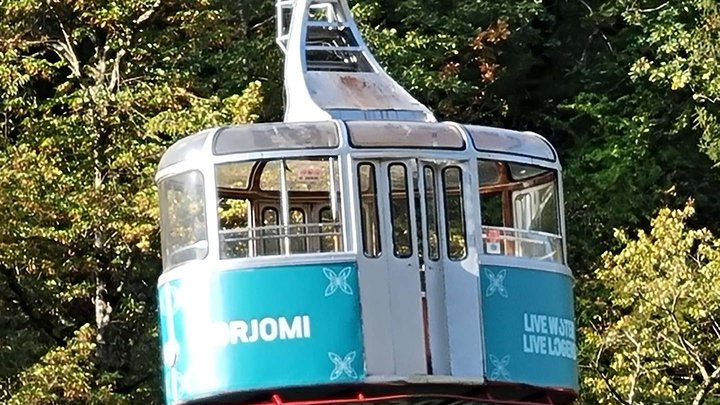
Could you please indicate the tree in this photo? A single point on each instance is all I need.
(681, 50)
(91, 93)
(659, 339)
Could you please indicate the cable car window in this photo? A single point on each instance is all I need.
(510, 142)
(489, 172)
(369, 210)
(431, 208)
(182, 204)
(234, 175)
(520, 214)
(234, 223)
(311, 183)
(330, 240)
(387, 134)
(454, 213)
(269, 232)
(522, 172)
(300, 175)
(535, 208)
(297, 230)
(267, 137)
(263, 211)
(270, 177)
(399, 210)
(492, 209)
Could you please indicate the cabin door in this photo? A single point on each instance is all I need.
(388, 266)
(448, 226)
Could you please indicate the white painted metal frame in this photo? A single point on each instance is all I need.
(438, 332)
(390, 291)
(394, 344)
(462, 278)
(322, 95)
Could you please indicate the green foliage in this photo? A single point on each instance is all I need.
(681, 41)
(92, 92)
(658, 341)
(445, 53)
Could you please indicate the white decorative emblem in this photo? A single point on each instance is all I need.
(171, 351)
(500, 371)
(496, 283)
(342, 366)
(183, 296)
(338, 281)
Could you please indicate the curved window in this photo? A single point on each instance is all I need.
(184, 226)
(265, 137)
(520, 214)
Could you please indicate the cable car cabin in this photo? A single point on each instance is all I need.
(364, 261)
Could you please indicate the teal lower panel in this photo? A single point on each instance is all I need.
(260, 328)
(529, 327)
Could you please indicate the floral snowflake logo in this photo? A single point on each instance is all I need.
(171, 351)
(338, 281)
(500, 371)
(343, 365)
(496, 283)
(181, 297)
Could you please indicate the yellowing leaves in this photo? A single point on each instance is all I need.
(244, 109)
(666, 285)
(208, 112)
(64, 372)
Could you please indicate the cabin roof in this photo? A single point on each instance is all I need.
(360, 135)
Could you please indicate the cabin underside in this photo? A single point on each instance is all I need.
(400, 393)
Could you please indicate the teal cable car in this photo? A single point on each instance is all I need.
(361, 251)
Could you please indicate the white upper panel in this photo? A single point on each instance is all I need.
(497, 140)
(362, 135)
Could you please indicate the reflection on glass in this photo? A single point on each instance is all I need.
(233, 216)
(234, 175)
(399, 210)
(330, 239)
(454, 212)
(298, 244)
(369, 210)
(275, 136)
(521, 171)
(489, 172)
(270, 235)
(536, 209)
(520, 214)
(431, 207)
(492, 209)
(184, 229)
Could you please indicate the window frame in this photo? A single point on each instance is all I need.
(377, 234)
(431, 191)
(393, 216)
(511, 236)
(167, 227)
(283, 237)
(461, 199)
